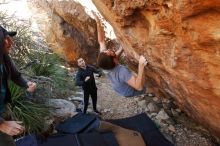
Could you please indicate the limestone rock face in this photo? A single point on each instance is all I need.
(181, 41)
(68, 30)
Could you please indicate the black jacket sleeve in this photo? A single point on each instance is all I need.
(79, 80)
(15, 75)
(97, 71)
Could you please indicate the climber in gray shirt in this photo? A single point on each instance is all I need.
(119, 77)
(123, 80)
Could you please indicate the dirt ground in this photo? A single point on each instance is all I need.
(182, 132)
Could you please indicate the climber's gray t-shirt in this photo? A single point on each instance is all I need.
(119, 77)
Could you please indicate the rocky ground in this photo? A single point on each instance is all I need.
(172, 122)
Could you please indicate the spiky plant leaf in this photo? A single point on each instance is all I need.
(23, 109)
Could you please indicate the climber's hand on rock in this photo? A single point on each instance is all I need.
(142, 61)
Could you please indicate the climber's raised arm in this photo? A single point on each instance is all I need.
(119, 51)
(101, 33)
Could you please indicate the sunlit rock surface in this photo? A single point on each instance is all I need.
(68, 30)
(181, 41)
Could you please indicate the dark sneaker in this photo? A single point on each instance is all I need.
(97, 112)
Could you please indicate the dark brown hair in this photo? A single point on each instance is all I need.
(105, 61)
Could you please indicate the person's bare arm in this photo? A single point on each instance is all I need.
(143, 80)
(101, 33)
(137, 81)
(119, 51)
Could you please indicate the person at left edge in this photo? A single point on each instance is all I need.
(8, 71)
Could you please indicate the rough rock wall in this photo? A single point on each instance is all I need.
(181, 40)
(68, 30)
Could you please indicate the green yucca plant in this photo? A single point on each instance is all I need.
(45, 65)
(50, 65)
(43, 68)
(23, 109)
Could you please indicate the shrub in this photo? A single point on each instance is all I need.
(49, 66)
(24, 109)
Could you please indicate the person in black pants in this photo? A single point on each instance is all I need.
(85, 78)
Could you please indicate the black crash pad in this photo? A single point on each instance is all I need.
(143, 124)
(78, 124)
